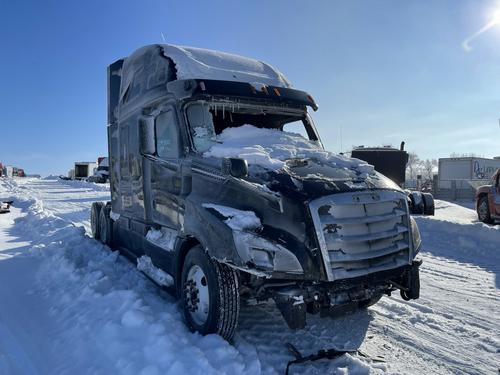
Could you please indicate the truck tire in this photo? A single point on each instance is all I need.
(95, 210)
(105, 225)
(417, 203)
(428, 200)
(210, 295)
(483, 210)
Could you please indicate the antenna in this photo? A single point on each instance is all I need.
(163, 37)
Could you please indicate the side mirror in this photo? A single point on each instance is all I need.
(235, 167)
(147, 135)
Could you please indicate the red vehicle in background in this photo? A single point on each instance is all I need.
(488, 200)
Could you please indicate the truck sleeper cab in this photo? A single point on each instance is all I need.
(219, 198)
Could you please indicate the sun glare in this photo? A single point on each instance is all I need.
(494, 20)
(496, 16)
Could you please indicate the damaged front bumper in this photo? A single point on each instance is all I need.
(338, 297)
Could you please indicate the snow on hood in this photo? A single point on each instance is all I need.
(193, 63)
(271, 148)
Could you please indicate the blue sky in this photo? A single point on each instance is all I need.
(381, 71)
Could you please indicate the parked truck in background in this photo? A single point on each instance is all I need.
(391, 162)
(488, 200)
(84, 169)
(218, 198)
(9, 171)
(101, 174)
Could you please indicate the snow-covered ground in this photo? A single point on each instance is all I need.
(71, 306)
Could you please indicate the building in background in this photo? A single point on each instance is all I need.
(458, 178)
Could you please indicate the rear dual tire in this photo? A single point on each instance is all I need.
(421, 203)
(105, 226)
(101, 223)
(95, 211)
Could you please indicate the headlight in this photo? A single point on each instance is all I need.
(415, 235)
(265, 254)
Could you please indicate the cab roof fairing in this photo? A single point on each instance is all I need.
(146, 72)
(192, 63)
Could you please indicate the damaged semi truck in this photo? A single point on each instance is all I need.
(222, 191)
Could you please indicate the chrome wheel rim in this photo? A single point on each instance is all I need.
(196, 295)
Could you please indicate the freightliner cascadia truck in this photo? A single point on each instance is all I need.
(221, 191)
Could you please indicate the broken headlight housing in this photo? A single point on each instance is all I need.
(264, 254)
(415, 236)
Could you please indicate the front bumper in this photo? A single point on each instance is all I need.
(330, 298)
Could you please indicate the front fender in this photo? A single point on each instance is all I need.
(211, 232)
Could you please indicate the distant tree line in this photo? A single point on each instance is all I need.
(416, 166)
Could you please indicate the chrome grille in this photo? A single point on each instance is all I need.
(361, 233)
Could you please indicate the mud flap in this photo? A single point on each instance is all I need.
(293, 311)
(412, 282)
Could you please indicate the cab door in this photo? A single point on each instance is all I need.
(166, 171)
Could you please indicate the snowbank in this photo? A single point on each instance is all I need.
(270, 148)
(145, 264)
(86, 185)
(72, 306)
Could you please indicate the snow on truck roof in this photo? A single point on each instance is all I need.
(153, 64)
(193, 63)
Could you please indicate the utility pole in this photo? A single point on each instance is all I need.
(341, 137)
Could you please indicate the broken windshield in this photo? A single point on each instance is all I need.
(209, 119)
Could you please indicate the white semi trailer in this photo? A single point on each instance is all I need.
(84, 169)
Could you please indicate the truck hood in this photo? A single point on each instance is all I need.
(290, 164)
(304, 179)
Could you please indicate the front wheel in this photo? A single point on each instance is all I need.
(210, 295)
(483, 210)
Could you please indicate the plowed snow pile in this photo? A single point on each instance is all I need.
(72, 306)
